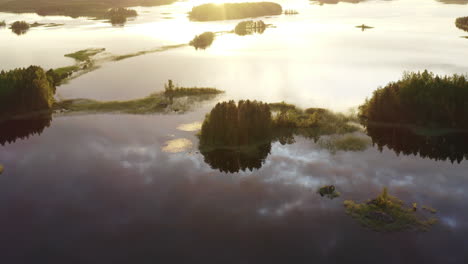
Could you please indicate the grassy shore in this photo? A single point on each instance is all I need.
(154, 103)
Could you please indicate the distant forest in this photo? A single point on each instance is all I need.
(73, 8)
(210, 12)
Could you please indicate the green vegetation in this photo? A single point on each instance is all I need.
(328, 191)
(462, 23)
(20, 27)
(421, 99)
(84, 55)
(2, 23)
(236, 137)
(118, 16)
(171, 90)
(157, 102)
(250, 27)
(25, 90)
(242, 133)
(74, 8)
(211, 12)
(202, 41)
(131, 55)
(1, 169)
(348, 142)
(242, 124)
(291, 12)
(312, 122)
(386, 213)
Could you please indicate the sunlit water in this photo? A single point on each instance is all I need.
(135, 189)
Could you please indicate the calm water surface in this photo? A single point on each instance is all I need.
(116, 188)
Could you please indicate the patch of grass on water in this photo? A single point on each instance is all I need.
(387, 213)
(1, 169)
(130, 55)
(66, 70)
(329, 191)
(157, 102)
(84, 55)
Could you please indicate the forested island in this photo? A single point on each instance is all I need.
(226, 11)
(203, 40)
(118, 16)
(20, 27)
(462, 23)
(238, 136)
(25, 91)
(73, 8)
(422, 99)
(421, 114)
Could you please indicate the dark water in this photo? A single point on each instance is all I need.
(114, 188)
(99, 189)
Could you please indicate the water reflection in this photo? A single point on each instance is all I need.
(250, 27)
(15, 129)
(232, 161)
(405, 140)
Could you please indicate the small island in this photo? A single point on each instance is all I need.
(329, 191)
(20, 27)
(462, 23)
(26, 91)
(203, 40)
(387, 213)
(238, 136)
(364, 27)
(154, 103)
(226, 11)
(118, 16)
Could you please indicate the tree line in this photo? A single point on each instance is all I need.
(422, 99)
(462, 23)
(26, 90)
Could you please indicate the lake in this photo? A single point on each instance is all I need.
(122, 188)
